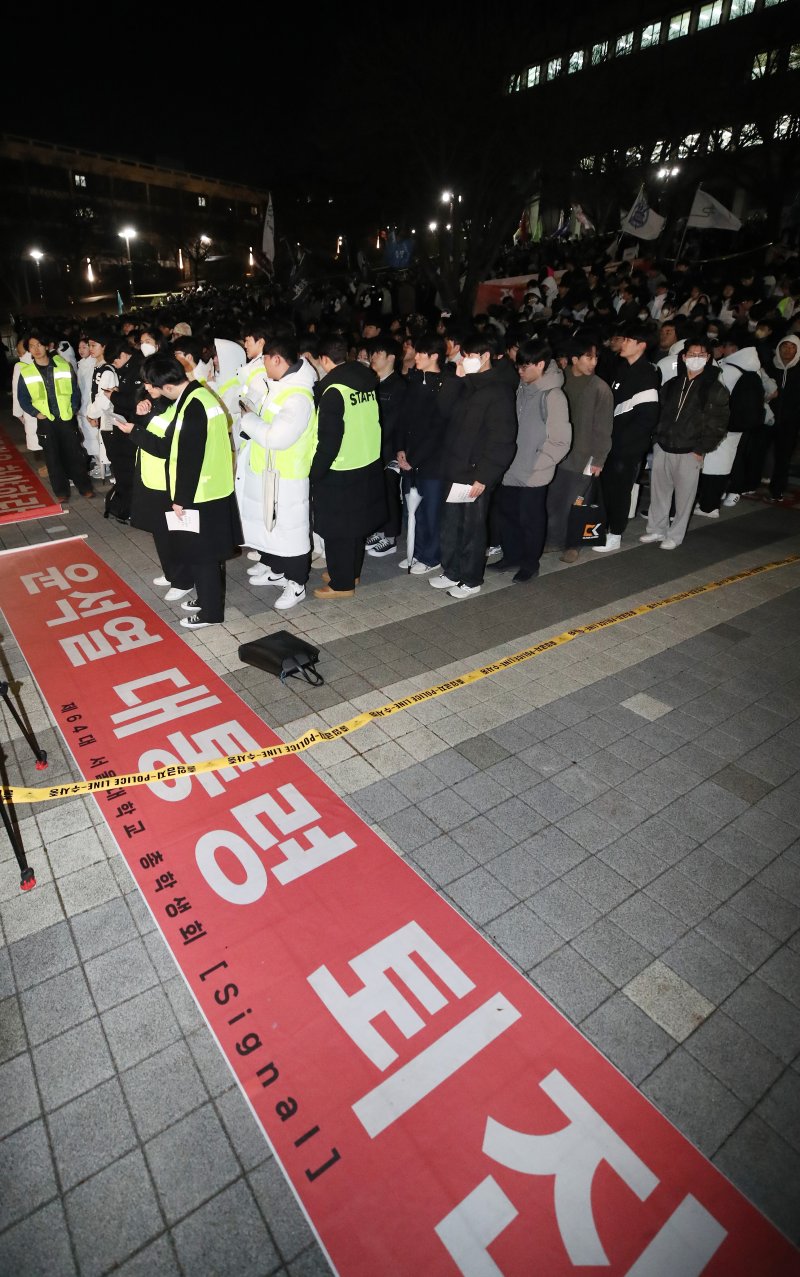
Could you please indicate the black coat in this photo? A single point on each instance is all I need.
(220, 532)
(391, 396)
(345, 503)
(422, 425)
(481, 436)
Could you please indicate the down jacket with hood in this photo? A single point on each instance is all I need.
(290, 536)
(741, 378)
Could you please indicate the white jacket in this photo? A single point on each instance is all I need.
(291, 535)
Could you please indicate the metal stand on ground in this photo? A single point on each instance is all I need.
(27, 878)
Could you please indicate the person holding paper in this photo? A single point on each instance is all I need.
(479, 445)
(199, 474)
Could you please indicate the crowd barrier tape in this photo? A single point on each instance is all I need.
(318, 736)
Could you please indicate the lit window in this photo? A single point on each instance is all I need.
(575, 61)
(85, 214)
(764, 64)
(633, 155)
(624, 44)
(651, 35)
(587, 164)
(794, 57)
(769, 3)
(786, 126)
(749, 135)
(599, 52)
(709, 15)
(723, 139)
(254, 210)
(741, 8)
(532, 76)
(657, 152)
(688, 146)
(553, 68)
(201, 201)
(515, 84)
(80, 179)
(679, 25)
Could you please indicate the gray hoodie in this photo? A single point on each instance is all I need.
(544, 434)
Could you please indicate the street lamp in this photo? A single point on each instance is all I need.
(37, 256)
(447, 197)
(432, 226)
(128, 233)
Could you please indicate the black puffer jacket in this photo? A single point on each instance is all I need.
(481, 436)
(694, 414)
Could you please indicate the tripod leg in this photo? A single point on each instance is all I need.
(27, 879)
(39, 754)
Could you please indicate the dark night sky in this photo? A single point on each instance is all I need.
(307, 102)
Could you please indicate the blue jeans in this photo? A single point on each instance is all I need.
(428, 519)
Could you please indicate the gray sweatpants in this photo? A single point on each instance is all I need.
(673, 473)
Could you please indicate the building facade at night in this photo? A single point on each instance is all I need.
(669, 95)
(71, 207)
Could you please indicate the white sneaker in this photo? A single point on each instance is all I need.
(613, 542)
(731, 499)
(493, 549)
(668, 544)
(292, 593)
(382, 547)
(707, 514)
(256, 569)
(420, 569)
(442, 583)
(96, 472)
(254, 554)
(406, 563)
(463, 591)
(160, 580)
(650, 537)
(267, 577)
(172, 595)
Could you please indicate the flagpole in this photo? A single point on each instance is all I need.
(686, 224)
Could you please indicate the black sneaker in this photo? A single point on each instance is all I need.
(382, 547)
(194, 623)
(190, 605)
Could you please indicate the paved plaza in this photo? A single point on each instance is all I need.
(619, 816)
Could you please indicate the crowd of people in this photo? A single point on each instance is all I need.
(308, 434)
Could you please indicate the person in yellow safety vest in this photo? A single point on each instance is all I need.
(347, 490)
(199, 475)
(275, 450)
(47, 389)
(150, 498)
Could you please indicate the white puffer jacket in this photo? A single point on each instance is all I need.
(291, 535)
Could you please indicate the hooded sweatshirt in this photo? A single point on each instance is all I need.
(786, 406)
(544, 434)
(741, 376)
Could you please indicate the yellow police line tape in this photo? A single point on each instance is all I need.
(317, 736)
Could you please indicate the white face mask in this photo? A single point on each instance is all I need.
(696, 363)
(471, 363)
(147, 348)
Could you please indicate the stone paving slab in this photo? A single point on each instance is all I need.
(621, 819)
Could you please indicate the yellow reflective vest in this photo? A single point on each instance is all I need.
(293, 462)
(62, 378)
(362, 428)
(216, 474)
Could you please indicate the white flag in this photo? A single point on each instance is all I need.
(268, 238)
(708, 214)
(642, 221)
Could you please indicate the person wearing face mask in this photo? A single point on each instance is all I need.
(148, 343)
(479, 445)
(786, 407)
(694, 420)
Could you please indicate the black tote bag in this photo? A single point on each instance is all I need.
(586, 523)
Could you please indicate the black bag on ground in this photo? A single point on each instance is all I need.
(586, 524)
(285, 655)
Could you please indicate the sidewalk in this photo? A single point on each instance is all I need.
(620, 816)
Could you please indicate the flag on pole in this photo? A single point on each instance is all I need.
(268, 238)
(642, 221)
(708, 214)
(120, 307)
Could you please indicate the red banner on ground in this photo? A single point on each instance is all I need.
(22, 495)
(433, 1112)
